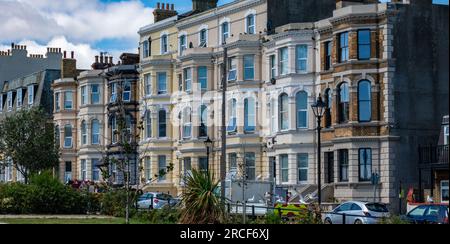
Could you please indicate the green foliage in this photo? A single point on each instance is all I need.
(28, 139)
(201, 204)
(44, 195)
(159, 216)
(113, 202)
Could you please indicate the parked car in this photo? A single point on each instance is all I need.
(428, 214)
(154, 200)
(357, 213)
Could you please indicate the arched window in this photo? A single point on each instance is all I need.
(250, 23)
(83, 133)
(148, 124)
(249, 115)
(95, 132)
(344, 101)
(364, 101)
(301, 101)
(232, 116)
(187, 123)
(203, 130)
(283, 111)
(162, 123)
(68, 136)
(329, 102)
(57, 137)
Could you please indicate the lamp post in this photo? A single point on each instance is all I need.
(319, 109)
(208, 145)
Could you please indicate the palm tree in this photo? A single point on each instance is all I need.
(202, 204)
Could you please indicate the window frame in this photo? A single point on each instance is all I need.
(83, 94)
(162, 83)
(250, 24)
(344, 104)
(225, 34)
(203, 128)
(187, 75)
(249, 67)
(203, 37)
(232, 69)
(126, 94)
(232, 116)
(250, 168)
(95, 96)
(66, 101)
(148, 168)
(162, 123)
(161, 167)
(328, 55)
(182, 40)
(202, 80)
(283, 60)
(273, 66)
(300, 167)
(299, 59)
(148, 125)
(442, 189)
(364, 45)
(30, 91)
(68, 137)
(95, 170)
(363, 165)
(95, 136)
(113, 91)
(303, 110)
(283, 113)
(249, 117)
(343, 165)
(360, 101)
(344, 51)
(10, 100)
(164, 44)
(83, 169)
(84, 133)
(19, 98)
(187, 123)
(284, 168)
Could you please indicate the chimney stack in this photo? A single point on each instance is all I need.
(68, 66)
(203, 5)
(164, 11)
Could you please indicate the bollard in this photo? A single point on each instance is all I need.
(253, 211)
(228, 208)
(279, 212)
(343, 219)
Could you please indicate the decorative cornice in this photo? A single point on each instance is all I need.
(217, 13)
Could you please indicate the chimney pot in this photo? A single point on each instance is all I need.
(96, 59)
(173, 6)
(72, 55)
(101, 58)
(167, 6)
(163, 6)
(111, 60)
(158, 5)
(65, 54)
(12, 45)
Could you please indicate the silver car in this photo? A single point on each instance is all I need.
(357, 213)
(154, 200)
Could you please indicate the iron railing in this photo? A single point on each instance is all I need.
(433, 155)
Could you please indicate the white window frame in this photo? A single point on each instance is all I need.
(252, 25)
(282, 112)
(301, 59)
(57, 101)
(162, 167)
(232, 116)
(84, 133)
(300, 168)
(222, 23)
(67, 101)
(161, 91)
(113, 92)
(148, 124)
(187, 74)
(182, 46)
(95, 94)
(1, 103)
(30, 90)
(283, 64)
(68, 137)
(249, 68)
(273, 117)
(203, 28)
(187, 122)
(273, 66)
(126, 92)
(148, 168)
(95, 140)
(284, 168)
(164, 42)
(83, 169)
(145, 49)
(162, 123)
(202, 78)
(19, 97)
(9, 100)
(95, 169)
(303, 110)
(250, 115)
(446, 135)
(148, 84)
(232, 66)
(84, 95)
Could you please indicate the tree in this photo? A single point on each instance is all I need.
(27, 139)
(202, 205)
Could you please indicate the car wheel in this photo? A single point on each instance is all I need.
(358, 222)
(328, 221)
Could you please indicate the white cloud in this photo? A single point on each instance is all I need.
(78, 21)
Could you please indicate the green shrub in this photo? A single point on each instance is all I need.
(393, 220)
(113, 203)
(160, 216)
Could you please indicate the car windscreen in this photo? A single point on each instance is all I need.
(377, 207)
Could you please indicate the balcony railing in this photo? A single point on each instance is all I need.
(433, 155)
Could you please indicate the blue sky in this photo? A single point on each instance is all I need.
(84, 26)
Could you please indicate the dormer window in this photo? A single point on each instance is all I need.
(10, 100)
(19, 98)
(30, 91)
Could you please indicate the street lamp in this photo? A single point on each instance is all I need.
(208, 145)
(319, 109)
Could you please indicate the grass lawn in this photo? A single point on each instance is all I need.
(71, 221)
